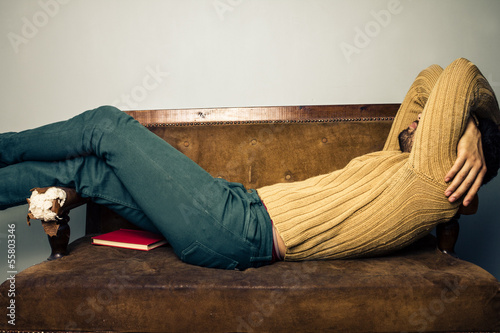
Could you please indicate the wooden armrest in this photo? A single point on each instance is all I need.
(59, 231)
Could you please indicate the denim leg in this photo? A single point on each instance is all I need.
(191, 209)
(90, 176)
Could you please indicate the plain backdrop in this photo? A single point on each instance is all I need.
(61, 57)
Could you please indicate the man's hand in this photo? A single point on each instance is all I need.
(470, 167)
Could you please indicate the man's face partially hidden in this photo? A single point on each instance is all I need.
(406, 137)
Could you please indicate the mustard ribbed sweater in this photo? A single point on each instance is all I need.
(385, 200)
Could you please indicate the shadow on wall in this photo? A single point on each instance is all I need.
(479, 233)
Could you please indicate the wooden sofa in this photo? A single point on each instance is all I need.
(108, 289)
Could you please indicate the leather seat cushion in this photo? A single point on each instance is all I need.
(104, 288)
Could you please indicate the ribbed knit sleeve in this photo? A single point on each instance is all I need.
(385, 200)
(374, 205)
(460, 90)
(413, 103)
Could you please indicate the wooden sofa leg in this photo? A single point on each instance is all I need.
(447, 235)
(59, 242)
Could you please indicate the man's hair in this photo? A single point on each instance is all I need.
(405, 139)
(490, 139)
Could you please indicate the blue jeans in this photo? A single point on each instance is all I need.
(112, 159)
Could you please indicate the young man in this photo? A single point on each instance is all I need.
(385, 200)
(378, 203)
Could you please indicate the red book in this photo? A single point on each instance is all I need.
(130, 239)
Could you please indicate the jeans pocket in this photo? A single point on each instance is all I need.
(201, 255)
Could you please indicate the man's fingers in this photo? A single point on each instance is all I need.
(472, 193)
(462, 188)
(458, 181)
(478, 181)
(459, 163)
(462, 184)
(467, 173)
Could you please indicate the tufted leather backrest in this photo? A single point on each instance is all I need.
(259, 146)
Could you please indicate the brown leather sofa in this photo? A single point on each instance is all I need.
(108, 289)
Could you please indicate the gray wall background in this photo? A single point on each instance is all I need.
(61, 57)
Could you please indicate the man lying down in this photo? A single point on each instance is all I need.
(444, 159)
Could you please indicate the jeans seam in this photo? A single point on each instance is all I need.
(235, 235)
